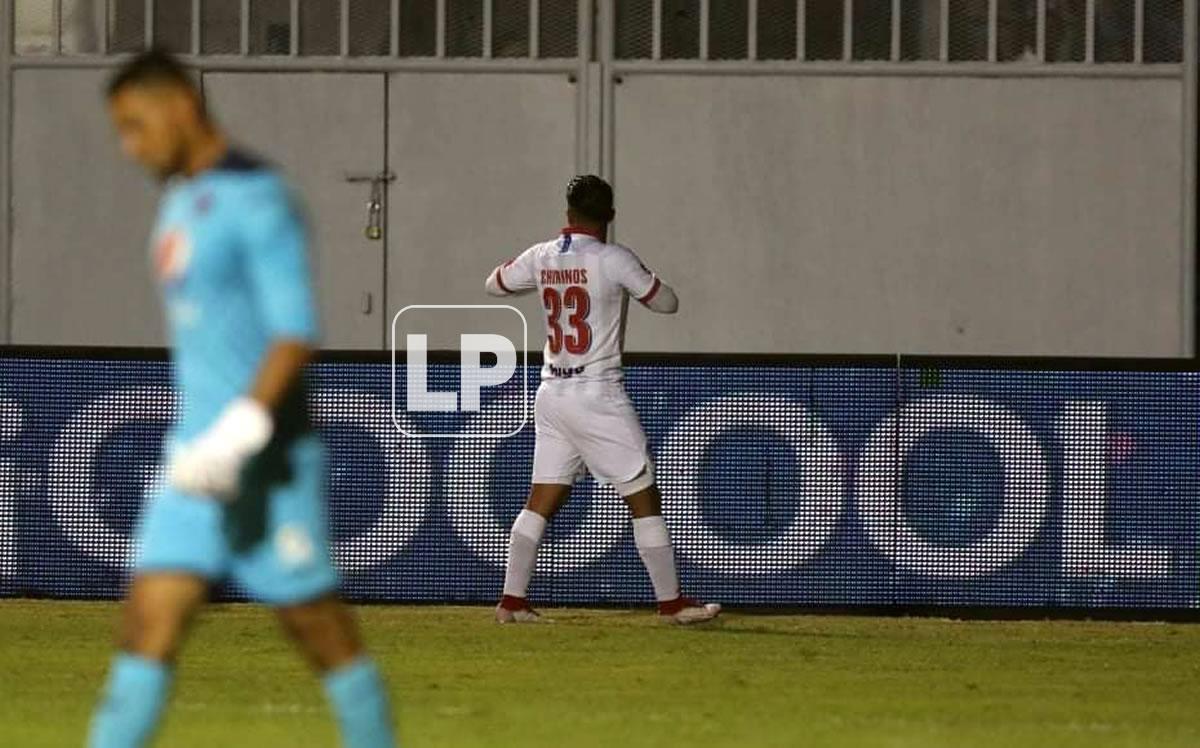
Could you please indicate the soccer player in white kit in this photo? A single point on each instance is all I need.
(583, 416)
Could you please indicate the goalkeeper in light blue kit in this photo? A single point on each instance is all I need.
(246, 472)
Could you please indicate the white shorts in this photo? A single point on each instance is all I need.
(588, 425)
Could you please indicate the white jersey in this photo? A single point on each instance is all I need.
(585, 285)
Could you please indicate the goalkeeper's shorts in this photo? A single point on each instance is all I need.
(273, 541)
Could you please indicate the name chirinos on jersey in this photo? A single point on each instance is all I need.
(585, 284)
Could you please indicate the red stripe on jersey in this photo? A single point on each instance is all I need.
(585, 232)
(650, 294)
(500, 279)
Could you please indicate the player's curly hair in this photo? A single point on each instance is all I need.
(591, 197)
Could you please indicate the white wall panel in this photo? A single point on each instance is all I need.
(947, 215)
(81, 217)
(482, 164)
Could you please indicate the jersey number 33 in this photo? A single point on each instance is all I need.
(572, 333)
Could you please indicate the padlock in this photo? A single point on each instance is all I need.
(374, 229)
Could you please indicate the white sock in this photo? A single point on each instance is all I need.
(523, 543)
(654, 546)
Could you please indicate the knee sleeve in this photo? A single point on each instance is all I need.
(643, 481)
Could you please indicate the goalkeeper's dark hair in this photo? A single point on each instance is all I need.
(155, 66)
(591, 197)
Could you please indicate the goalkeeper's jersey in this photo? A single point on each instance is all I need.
(229, 250)
(585, 285)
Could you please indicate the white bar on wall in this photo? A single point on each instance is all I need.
(244, 42)
(705, 22)
(594, 83)
(1191, 74)
(55, 27)
(597, 147)
(585, 23)
(847, 30)
(895, 56)
(7, 37)
(656, 30)
(294, 27)
(441, 28)
(487, 29)
(196, 30)
(801, 34)
(102, 42)
(149, 27)
(535, 29)
(1139, 30)
(394, 44)
(752, 29)
(1041, 31)
(589, 151)
(601, 80)
(8, 41)
(344, 46)
(944, 31)
(1090, 53)
(993, 30)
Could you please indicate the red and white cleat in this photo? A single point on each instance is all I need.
(515, 610)
(685, 610)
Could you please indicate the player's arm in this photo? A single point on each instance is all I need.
(274, 241)
(281, 369)
(517, 276)
(277, 264)
(624, 267)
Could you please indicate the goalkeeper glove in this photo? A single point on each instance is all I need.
(211, 464)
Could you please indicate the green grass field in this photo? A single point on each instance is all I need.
(618, 678)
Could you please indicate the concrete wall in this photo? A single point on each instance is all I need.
(947, 215)
(793, 212)
(81, 218)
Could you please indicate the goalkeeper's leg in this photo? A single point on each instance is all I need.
(154, 622)
(327, 635)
